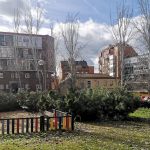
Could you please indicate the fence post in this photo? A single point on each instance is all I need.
(47, 124)
(27, 125)
(3, 127)
(7, 126)
(67, 121)
(59, 123)
(36, 124)
(13, 124)
(31, 124)
(72, 121)
(55, 117)
(42, 123)
(17, 126)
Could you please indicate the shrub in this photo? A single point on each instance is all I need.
(101, 103)
(29, 100)
(38, 101)
(8, 102)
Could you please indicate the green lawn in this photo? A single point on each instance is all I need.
(141, 113)
(87, 136)
(108, 135)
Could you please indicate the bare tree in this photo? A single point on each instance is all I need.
(57, 53)
(70, 35)
(122, 32)
(17, 20)
(33, 25)
(143, 27)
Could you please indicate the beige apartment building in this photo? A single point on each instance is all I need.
(110, 59)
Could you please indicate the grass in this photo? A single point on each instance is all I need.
(110, 135)
(87, 136)
(141, 113)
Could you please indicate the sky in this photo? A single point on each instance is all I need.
(94, 18)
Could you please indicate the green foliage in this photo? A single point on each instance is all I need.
(29, 100)
(102, 103)
(38, 101)
(90, 104)
(47, 101)
(8, 102)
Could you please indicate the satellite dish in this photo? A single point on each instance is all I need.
(41, 62)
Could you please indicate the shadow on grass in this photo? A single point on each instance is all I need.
(134, 122)
(107, 132)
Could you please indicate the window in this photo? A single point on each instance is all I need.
(47, 75)
(89, 84)
(111, 83)
(7, 86)
(9, 40)
(1, 86)
(16, 75)
(26, 86)
(97, 83)
(38, 87)
(2, 40)
(12, 75)
(27, 75)
(1, 75)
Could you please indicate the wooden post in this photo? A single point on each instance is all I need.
(2, 127)
(13, 124)
(64, 122)
(18, 126)
(59, 123)
(55, 116)
(27, 125)
(72, 121)
(42, 123)
(67, 121)
(22, 125)
(7, 126)
(31, 124)
(47, 124)
(36, 124)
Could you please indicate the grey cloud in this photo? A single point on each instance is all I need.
(7, 7)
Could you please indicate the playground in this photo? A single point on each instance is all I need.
(107, 135)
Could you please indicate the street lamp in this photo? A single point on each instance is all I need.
(42, 63)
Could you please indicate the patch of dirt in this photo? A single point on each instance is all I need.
(18, 114)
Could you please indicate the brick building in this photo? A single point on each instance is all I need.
(81, 67)
(26, 61)
(110, 59)
(92, 81)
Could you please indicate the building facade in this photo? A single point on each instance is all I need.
(90, 81)
(26, 61)
(110, 59)
(96, 80)
(136, 73)
(81, 67)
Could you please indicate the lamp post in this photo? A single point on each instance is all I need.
(42, 63)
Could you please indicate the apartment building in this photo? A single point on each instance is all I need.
(110, 59)
(136, 72)
(26, 61)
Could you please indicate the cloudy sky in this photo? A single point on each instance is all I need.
(94, 19)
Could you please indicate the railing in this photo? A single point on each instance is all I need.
(36, 124)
